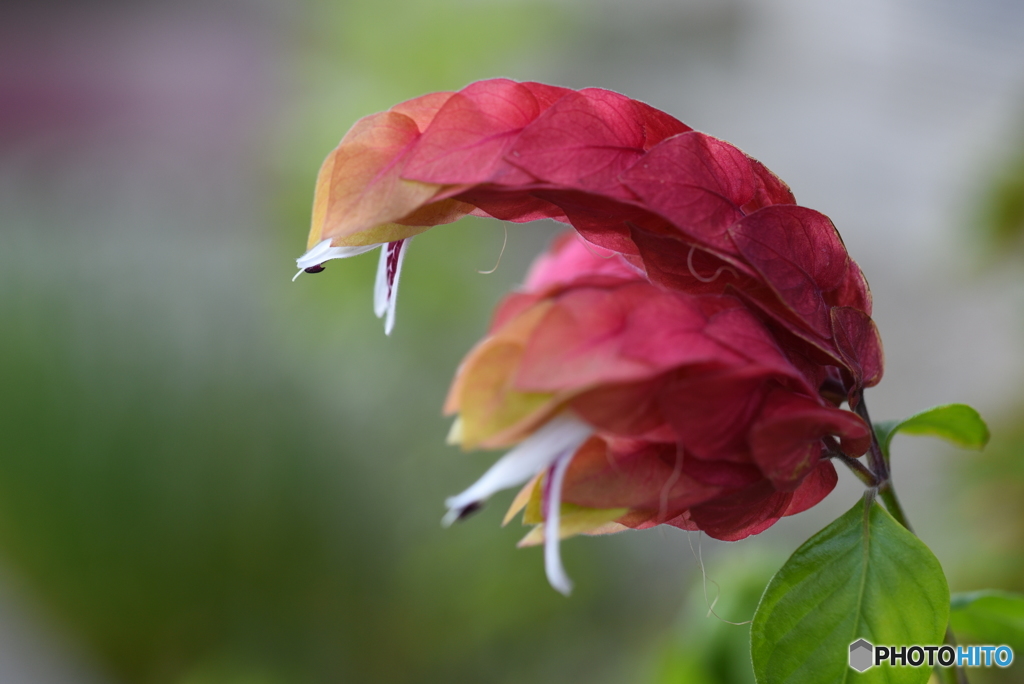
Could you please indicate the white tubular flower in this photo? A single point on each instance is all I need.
(385, 287)
(549, 448)
(389, 269)
(553, 567)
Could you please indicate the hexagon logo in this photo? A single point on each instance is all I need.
(861, 655)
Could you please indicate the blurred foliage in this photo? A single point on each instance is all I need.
(261, 503)
(706, 646)
(994, 493)
(422, 47)
(992, 484)
(351, 59)
(1002, 213)
(990, 616)
(212, 475)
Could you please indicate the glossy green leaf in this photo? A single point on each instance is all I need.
(990, 616)
(863, 576)
(956, 423)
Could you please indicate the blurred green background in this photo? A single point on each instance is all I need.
(209, 474)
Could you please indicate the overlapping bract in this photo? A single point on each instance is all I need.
(695, 213)
(701, 419)
(680, 360)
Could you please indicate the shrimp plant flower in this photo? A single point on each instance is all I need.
(681, 356)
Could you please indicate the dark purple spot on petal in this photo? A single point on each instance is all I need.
(394, 250)
(315, 269)
(470, 510)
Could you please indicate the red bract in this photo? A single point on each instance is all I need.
(681, 408)
(710, 326)
(695, 213)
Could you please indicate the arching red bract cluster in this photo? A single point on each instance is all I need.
(707, 331)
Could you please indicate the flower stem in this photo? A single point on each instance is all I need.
(892, 503)
(887, 492)
(859, 469)
(879, 465)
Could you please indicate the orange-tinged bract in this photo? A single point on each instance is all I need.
(700, 418)
(681, 359)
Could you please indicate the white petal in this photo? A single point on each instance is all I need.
(322, 251)
(380, 283)
(562, 434)
(552, 556)
(389, 320)
(385, 287)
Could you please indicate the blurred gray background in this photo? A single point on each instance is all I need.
(211, 474)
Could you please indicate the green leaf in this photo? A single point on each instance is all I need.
(990, 616)
(863, 576)
(956, 423)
